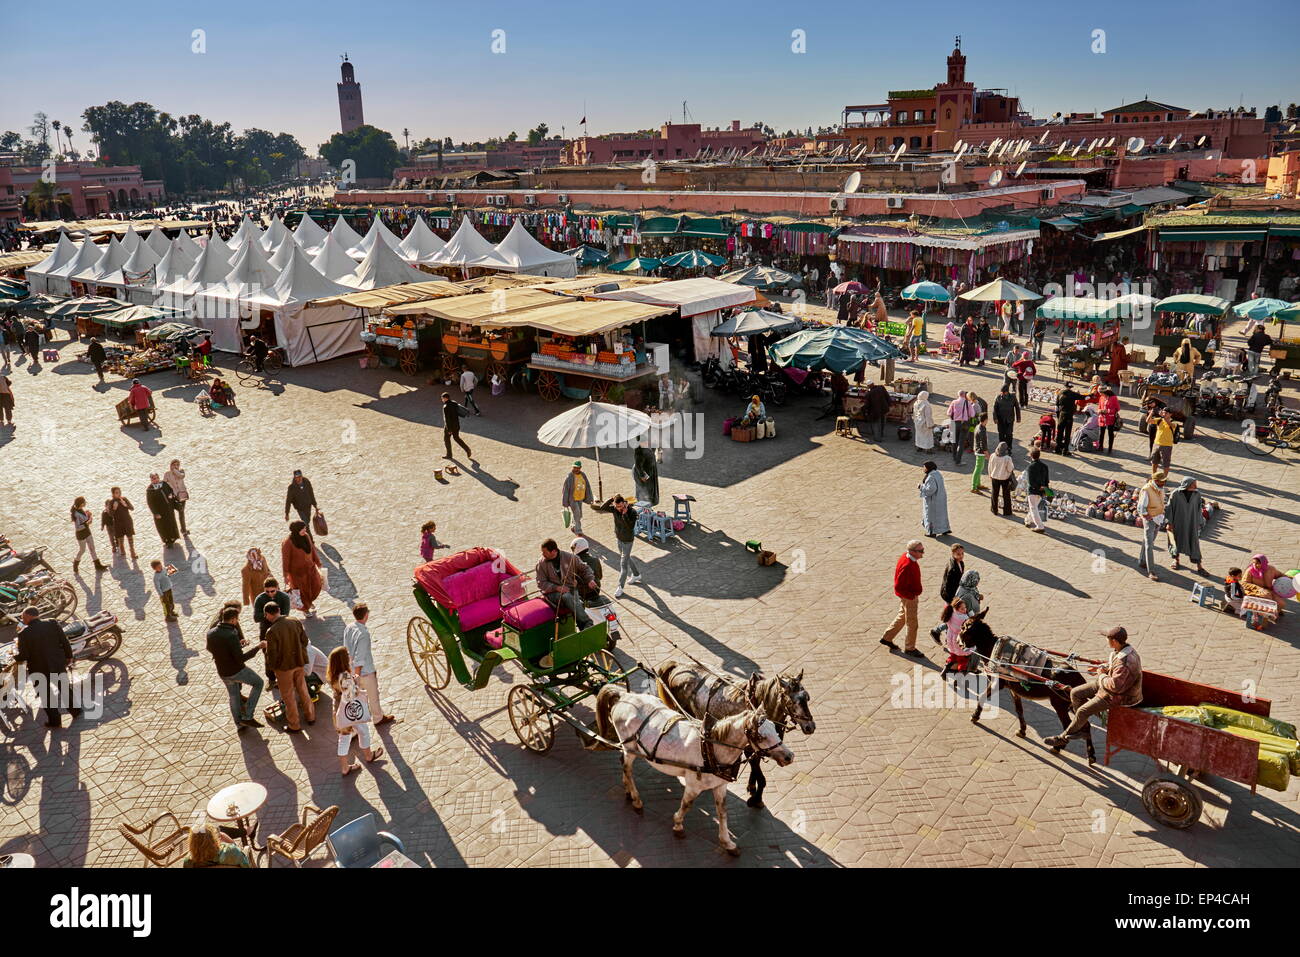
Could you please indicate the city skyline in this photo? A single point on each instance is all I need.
(440, 77)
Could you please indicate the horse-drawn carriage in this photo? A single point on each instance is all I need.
(480, 611)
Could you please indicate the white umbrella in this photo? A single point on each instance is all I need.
(1000, 290)
(595, 425)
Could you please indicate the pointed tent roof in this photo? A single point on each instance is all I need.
(130, 240)
(250, 271)
(468, 248)
(108, 268)
(333, 259)
(309, 235)
(210, 267)
(175, 263)
(247, 229)
(383, 267)
(377, 231)
(158, 241)
(275, 234)
(84, 258)
(142, 260)
(63, 252)
(346, 235)
(189, 244)
(527, 255)
(282, 254)
(300, 281)
(421, 243)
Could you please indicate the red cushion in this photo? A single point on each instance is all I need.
(481, 612)
(471, 585)
(528, 614)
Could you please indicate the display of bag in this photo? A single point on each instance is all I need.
(318, 523)
(353, 708)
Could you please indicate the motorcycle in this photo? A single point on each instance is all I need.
(605, 605)
(53, 597)
(20, 563)
(711, 372)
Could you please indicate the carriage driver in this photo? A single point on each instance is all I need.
(561, 577)
(1120, 682)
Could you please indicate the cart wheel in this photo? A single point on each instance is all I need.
(273, 363)
(1171, 801)
(497, 368)
(606, 666)
(410, 362)
(531, 720)
(548, 386)
(425, 649)
(600, 389)
(449, 364)
(153, 416)
(103, 644)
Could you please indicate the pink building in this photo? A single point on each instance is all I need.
(89, 189)
(675, 141)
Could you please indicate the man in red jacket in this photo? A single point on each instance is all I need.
(907, 586)
(1026, 370)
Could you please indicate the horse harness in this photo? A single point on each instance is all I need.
(709, 764)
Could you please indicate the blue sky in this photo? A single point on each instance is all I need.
(429, 66)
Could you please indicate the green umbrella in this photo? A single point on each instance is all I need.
(588, 255)
(644, 263)
(1076, 309)
(694, 259)
(837, 348)
(83, 306)
(1193, 302)
(1289, 314)
(926, 292)
(1000, 290)
(1259, 308)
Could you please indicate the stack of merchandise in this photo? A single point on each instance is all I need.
(1279, 751)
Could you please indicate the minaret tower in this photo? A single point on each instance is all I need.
(350, 116)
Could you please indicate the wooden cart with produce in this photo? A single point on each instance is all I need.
(489, 352)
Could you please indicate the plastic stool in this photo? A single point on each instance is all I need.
(682, 507)
(661, 527)
(1203, 594)
(842, 425)
(644, 518)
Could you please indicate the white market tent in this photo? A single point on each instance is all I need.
(248, 230)
(187, 242)
(383, 267)
(175, 263)
(279, 258)
(468, 248)
(275, 234)
(421, 244)
(345, 234)
(309, 333)
(309, 235)
(59, 279)
(138, 275)
(220, 306)
(130, 240)
(158, 241)
(38, 275)
(107, 270)
(333, 259)
(378, 231)
(527, 255)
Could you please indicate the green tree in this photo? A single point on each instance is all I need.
(373, 150)
(512, 137)
(537, 134)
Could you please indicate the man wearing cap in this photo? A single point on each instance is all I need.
(1151, 503)
(582, 548)
(301, 496)
(1120, 683)
(140, 397)
(576, 490)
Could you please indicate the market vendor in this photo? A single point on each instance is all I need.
(1118, 360)
(755, 412)
(1263, 575)
(1186, 359)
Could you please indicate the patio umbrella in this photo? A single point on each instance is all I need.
(756, 322)
(926, 291)
(38, 303)
(1193, 302)
(1000, 290)
(594, 425)
(13, 289)
(1259, 308)
(1289, 314)
(133, 315)
(694, 259)
(171, 331)
(644, 263)
(1125, 307)
(760, 277)
(82, 306)
(588, 255)
(838, 348)
(1076, 309)
(851, 286)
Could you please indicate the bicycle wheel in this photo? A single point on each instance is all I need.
(273, 363)
(245, 370)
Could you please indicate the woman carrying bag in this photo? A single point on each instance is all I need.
(352, 713)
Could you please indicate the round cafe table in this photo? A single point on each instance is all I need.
(238, 803)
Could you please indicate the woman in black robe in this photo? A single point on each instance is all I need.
(162, 505)
(645, 471)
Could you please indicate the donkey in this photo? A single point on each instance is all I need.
(698, 693)
(977, 635)
(645, 727)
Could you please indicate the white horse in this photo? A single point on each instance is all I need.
(706, 759)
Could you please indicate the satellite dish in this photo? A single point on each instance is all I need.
(1135, 144)
(1174, 141)
(962, 150)
(902, 148)
(995, 177)
(994, 145)
(1110, 142)
(1158, 142)
(1077, 146)
(1043, 139)
(1291, 128)
(1201, 141)
(853, 182)
(1020, 169)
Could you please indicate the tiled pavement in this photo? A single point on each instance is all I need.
(876, 785)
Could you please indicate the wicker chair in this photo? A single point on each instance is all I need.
(161, 846)
(301, 840)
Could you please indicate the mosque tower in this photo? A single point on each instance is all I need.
(350, 116)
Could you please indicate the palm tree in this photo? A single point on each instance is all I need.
(57, 143)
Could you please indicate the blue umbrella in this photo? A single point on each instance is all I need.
(927, 291)
(694, 259)
(837, 348)
(1259, 308)
(588, 255)
(644, 263)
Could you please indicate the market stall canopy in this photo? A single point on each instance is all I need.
(281, 256)
(248, 232)
(86, 256)
(690, 296)
(421, 244)
(309, 235)
(131, 240)
(21, 260)
(756, 322)
(1290, 314)
(172, 331)
(250, 272)
(108, 267)
(586, 256)
(578, 318)
(347, 236)
(38, 304)
(333, 259)
(926, 292)
(594, 282)
(477, 307)
(140, 262)
(1076, 309)
(1130, 305)
(382, 266)
(526, 255)
(643, 263)
(187, 242)
(157, 241)
(1259, 308)
(1000, 290)
(467, 247)
(761, 277)
(397, 295)
(14, 289)
(83, 306)
(837, 348)
(134, 316)
(377, 231)
(693, 259)
(300, 282)
(1193, 302)
(211, 268)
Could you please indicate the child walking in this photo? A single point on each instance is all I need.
(162, 584)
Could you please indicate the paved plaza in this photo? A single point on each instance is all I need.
(876, 785)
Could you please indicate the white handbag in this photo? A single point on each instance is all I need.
(351, 710)
(771, 428)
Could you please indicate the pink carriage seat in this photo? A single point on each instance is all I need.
(467, 583)
(528, 614)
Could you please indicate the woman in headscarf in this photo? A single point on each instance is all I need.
(118, 521)
(1183, 513)
(645, 472)
(1262, 578)
(301, 566)
(934, 502)
(1186, 359)
(923, 422)
(754, 412)
(968, 592)
(1118, 360)
(254, 575)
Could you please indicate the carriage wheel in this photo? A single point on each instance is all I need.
(409, 361)
(449, 364)
(497, 368)
(1171, 801)
(600, 389)
(548, 386)
(531, 720)
(427, 657)
(606, 666)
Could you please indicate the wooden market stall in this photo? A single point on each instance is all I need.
(1189, 316)
(409, 344)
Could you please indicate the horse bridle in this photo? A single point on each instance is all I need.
(788, 706)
